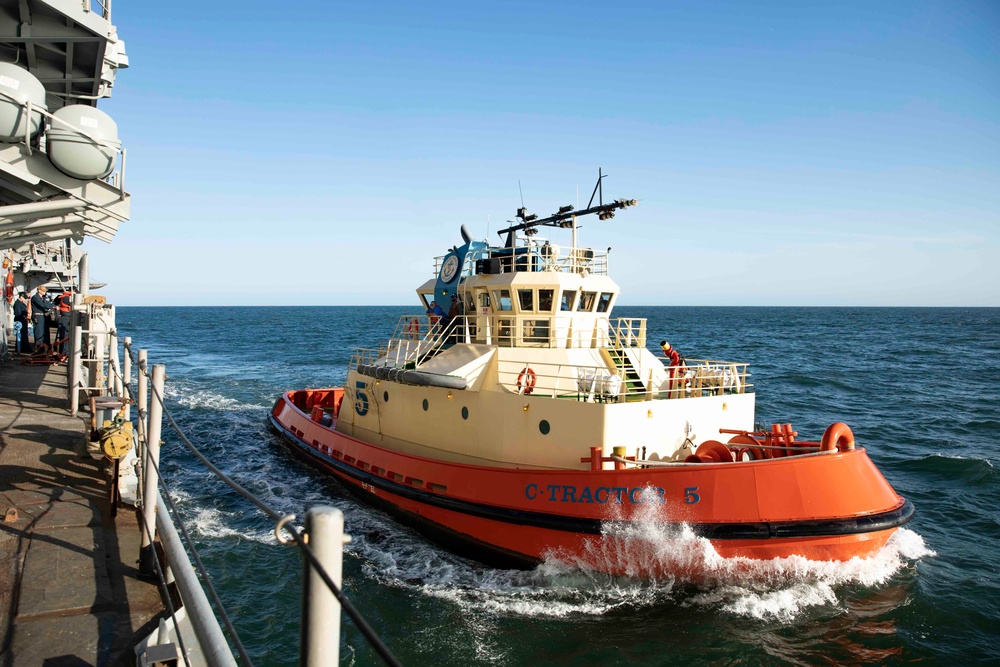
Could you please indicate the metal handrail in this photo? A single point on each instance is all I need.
(282, 521)
(535, 257)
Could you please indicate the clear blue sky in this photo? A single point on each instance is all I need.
(788, 154)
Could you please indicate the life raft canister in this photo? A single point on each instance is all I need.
(526, 379)
(837, 436)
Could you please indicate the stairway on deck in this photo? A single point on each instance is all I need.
(634, 384)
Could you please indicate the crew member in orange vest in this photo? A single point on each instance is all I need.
(64, 305)
(676, 368)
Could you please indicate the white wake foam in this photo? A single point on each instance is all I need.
(205, 399)
(779, 589)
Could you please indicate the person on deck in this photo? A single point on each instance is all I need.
(21, 316)
(677, 368)
(40, 307)
(675, 357)
(455, 321)
(64, 306)
(435, 313)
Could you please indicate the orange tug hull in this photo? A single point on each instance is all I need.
(831, 507)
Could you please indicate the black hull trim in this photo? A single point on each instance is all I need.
(712, 531)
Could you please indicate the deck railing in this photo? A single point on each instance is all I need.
(537, 257)
(418, 338)
(598, 383)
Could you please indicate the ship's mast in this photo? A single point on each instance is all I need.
(566, 216)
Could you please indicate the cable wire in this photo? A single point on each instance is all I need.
(296, 533)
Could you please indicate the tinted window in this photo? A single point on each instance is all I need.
(587, 301)
(545, 300)
(568, 299)
(604, 302)
(526, 299)
(501, 299)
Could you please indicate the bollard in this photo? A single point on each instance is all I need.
(320, 608)
(127, 377)
(75, 369)
(151, 475)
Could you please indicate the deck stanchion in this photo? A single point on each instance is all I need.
(150, 474)
(127, 377)
(142, 399)
(320, 609)
(84, 276)
(115, 387)
(75, 370)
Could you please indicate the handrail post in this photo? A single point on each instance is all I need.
(115, 382)
(127, 376)
(151, 473)
(320, 608)
(75, 369)
(142, 400)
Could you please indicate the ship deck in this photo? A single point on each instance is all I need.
(70, 590)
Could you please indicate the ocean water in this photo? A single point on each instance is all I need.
(919, 387)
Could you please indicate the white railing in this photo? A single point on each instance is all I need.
(600, 383)
(534, 257)
(418, 338)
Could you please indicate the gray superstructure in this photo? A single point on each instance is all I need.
(62, 166)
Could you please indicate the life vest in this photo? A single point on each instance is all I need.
(9, 286)
(64, 302)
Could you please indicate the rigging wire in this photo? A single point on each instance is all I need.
(199, 565)
(296, 532)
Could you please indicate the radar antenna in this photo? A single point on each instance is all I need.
(565, 217)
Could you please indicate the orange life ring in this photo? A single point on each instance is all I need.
(526, 379)
(413, 328)
(838, 436)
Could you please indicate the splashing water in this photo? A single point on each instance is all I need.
(563, 586)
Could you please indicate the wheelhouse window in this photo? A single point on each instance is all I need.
(535, 331)
(526, 300)
(568, 300)
(545, 297)
(501, 300)
(604, 302)
(587, 301)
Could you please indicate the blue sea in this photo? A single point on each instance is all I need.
(920, 387)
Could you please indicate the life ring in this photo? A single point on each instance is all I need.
(413, 328)
(838, 436)
(526, 379)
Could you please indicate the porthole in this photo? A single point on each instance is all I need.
(385, 396)
(543, 426)
(465, 412)
(425, 405)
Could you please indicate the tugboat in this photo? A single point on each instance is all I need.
(515, 420)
